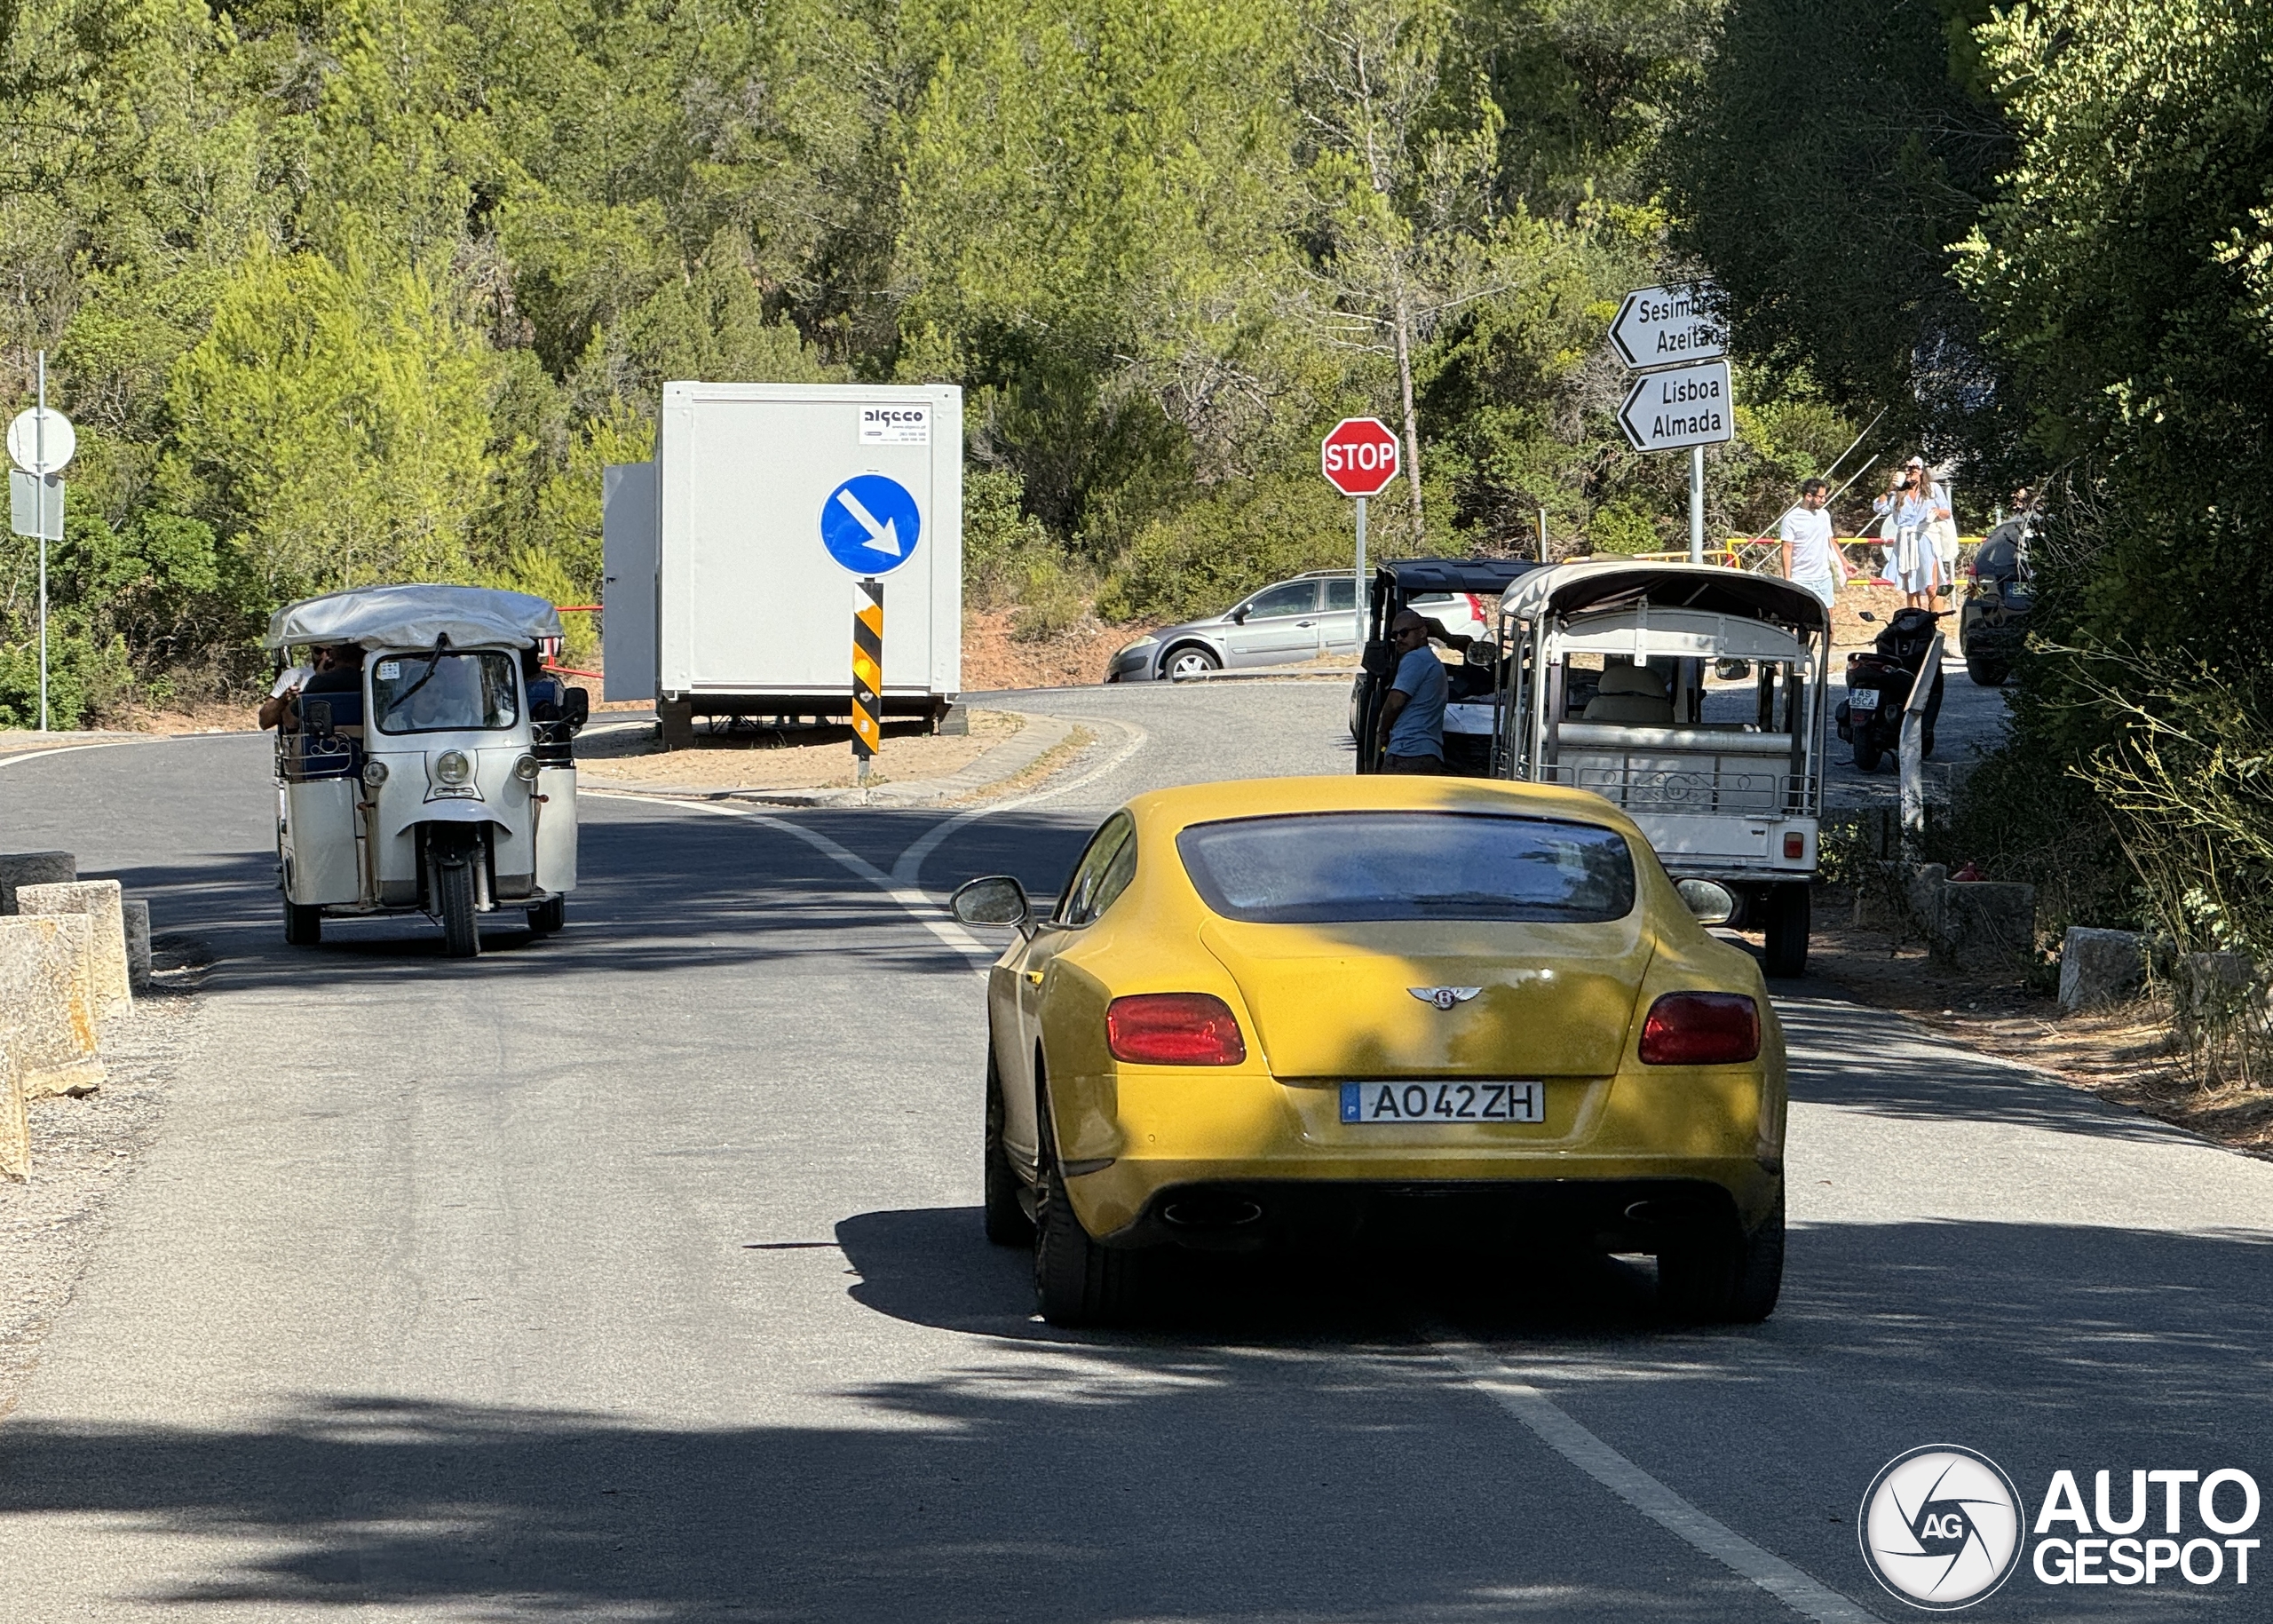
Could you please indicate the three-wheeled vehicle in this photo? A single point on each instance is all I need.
(1470, 713)
(1603, 685)
(429, 766)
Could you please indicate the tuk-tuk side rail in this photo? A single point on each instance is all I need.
(1699, 791)
(1709, 738)
(1677, 634)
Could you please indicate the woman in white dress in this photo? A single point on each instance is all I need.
(1911, 505)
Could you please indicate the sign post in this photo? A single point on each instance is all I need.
(1665, 334)
(870, 526)
(1358, 457)
(42, 443)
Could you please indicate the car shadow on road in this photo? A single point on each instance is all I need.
(1249, 1461)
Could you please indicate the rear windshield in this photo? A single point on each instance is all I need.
(432, 693)
(1324, 868)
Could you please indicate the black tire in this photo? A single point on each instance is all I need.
(1866, 751)
(1007, 1224)
(303, 926)
(453, 901)
(548, 915)
(1985, 672)
(1791, 910)
(1076, 1281)
(1189, 659)
(1728, 1280)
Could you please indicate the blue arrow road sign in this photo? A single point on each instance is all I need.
(869, 525)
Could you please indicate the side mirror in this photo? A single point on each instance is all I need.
(997, 901)
(1865, 614)
(1239, 615)
(315, 717)
(1711, 902)
(580, 707)
(1483, 651)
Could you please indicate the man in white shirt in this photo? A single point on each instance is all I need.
(1810, 560)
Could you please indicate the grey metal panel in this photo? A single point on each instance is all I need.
(627, 544)
(749, 601)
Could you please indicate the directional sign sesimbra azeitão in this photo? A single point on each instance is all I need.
(1665, 327)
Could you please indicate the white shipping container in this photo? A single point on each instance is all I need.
(720, 590)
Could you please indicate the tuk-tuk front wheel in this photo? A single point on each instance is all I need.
(303, 925)
(454, 900)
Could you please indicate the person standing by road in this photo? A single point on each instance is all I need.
(1412, 735)
(1912, 504)
(1811, 556)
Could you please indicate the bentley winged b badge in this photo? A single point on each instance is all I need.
(1444, 997)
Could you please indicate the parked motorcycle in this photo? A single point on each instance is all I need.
(1878, 685)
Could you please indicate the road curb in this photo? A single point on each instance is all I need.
(1040, 735)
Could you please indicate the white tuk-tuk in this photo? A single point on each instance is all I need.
(428, 767)
(1604, 687)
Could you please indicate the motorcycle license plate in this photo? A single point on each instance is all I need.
(1444, 1102)
(1863, 699)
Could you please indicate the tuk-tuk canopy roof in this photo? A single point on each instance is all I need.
(1487, 577)
(374, 617)
(1602, 584)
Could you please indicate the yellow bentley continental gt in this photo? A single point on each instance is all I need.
(1378, 1011)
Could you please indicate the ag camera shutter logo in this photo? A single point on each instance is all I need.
(1941, 1527)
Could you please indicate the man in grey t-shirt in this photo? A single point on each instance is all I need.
(1412, 715)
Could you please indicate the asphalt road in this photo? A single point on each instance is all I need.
(637, 1274)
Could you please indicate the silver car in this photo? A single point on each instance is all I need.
(1283, 624)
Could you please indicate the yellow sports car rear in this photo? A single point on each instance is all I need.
(1385, 1011)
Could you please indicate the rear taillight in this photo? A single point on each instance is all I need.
(1174, 1029)
(1795, 846)
(1701, 1029)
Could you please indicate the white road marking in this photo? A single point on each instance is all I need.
(11, 758)
(1554, 1427)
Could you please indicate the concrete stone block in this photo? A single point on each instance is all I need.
(2218, 986)
(33, 868)
(47, 1004)
(15, 1122)
(103, 904)
(2100, 967)
(1988, 925)
(137, 943)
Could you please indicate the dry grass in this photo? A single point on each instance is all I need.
(816, 758)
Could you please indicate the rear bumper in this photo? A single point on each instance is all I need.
(1628, 1203)
(1619, 1215)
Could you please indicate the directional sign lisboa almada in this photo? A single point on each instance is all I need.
(1686, 406)
(870, 523)
(1664, 327)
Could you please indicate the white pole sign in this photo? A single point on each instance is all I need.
(1673, 410)
(1665, 327)
(42, 441)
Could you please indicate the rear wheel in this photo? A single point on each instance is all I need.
(549, 916)
(1728, 1280)
(1790, 913)
(1191, 661)
(453, 895)
(1007, 1224)
(303, 926)
(1986, 671)
(1076, 1281)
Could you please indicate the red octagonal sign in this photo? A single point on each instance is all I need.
(1358, 456)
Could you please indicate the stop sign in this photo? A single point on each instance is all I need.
(1358, 456)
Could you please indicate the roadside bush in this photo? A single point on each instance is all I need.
(1243, 535)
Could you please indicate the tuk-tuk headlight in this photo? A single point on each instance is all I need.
(525, 769)
(451, 767)
(375, 773)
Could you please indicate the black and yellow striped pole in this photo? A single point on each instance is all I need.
(868, 674)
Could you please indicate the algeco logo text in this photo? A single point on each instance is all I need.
(1942, 1526)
